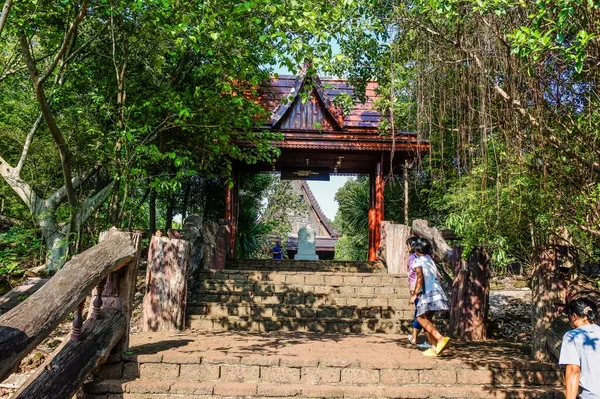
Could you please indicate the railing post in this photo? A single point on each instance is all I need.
(97, 303)
(78, 322)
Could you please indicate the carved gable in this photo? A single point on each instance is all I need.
(308, 108)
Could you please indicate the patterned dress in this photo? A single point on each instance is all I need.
(432, 297)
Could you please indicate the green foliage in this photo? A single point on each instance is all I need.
(159, 94)
(352, 220)
(19, 249)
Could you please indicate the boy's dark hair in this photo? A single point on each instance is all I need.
(422, 246)
(583, 307)
(412, 241)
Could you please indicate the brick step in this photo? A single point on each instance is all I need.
(142, 389)
(219, 374)
(311, 266)
(261, 288)
(301, 298)
(306, 365)
(335, 325)
(307, 311)
(305, 278)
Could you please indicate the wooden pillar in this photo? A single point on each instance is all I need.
(405, 174)
(379, 201)
(372, 216)
(229, 220)
(231, 213)
(236, 212)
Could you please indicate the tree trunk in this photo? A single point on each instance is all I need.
(113, 208)
(169, 212)
(470, 297)
(152, 207)
(548, 290)
(578, 288)
(57, 245)
(192, 233)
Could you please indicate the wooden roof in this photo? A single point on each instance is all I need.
(316, 132)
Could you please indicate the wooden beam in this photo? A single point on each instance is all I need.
(65, 371)
(25, 326)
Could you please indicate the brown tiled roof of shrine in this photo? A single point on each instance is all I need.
(363, 116)
(317, 133)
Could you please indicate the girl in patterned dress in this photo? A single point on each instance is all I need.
(429, 296)
(412, 280)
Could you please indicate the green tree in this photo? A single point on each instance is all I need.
(130, 101)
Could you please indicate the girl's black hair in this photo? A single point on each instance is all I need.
(412, 241)
(583, 307)
(422, 246)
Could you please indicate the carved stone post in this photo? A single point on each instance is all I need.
(166, 284)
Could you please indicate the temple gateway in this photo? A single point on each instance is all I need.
(320, 139)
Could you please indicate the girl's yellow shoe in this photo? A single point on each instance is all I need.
(430, 353)
(442, 345)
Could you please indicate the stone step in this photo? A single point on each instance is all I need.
(335, 325)
(311, 266)
(305, 278)
(301, 298)
(405, 311)
(307, 365)
(261, 288)
(204, 390)
(267, 376)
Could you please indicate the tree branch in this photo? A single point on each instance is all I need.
(20, 187)
(533, 122)
(65, 154)
(595, 233)
(66, 42)
(34, 128)
(4, 15)
(91, 204)
(61, 194)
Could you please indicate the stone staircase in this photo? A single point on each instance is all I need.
(311, 330)
(332, 297)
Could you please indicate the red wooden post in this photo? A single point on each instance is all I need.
(229, 218)
(235, 212)
(379, 202)
(372, 216)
